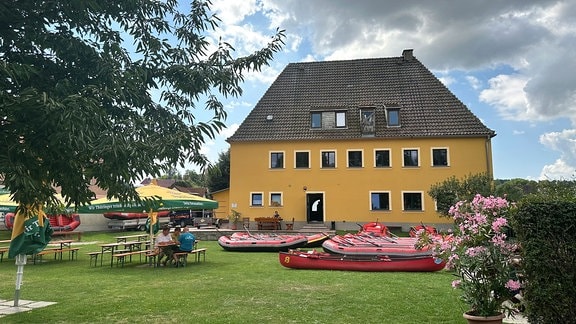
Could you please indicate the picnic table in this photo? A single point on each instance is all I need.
(139, 237)
(63, 246)
(132, 247)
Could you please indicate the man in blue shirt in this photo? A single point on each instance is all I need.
(186, 240)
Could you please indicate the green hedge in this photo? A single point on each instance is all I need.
(546, 232)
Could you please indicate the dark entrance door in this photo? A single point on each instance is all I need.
(315, 207)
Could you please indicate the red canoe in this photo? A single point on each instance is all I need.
(125, 216)
(326, 261)
(59, 223)
(362, 244)
(246, 242)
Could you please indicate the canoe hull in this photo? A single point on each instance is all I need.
(363, 245)
(261, 243)
(326, 261)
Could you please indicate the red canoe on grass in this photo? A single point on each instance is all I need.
(381, 263)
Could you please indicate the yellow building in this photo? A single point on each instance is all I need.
(347, 142)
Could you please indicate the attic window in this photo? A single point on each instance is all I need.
(393, 116)
(367, 121)
(328, 119)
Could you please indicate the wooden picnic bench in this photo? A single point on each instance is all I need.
(72, 254)
(268, 223)
(183, 256)
(121, 257)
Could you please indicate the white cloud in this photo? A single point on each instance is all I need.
(447, 80)
(565, 143)
(474, 82)
(506, 94)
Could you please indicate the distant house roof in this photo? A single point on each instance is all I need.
(166, 183)
(427, 107)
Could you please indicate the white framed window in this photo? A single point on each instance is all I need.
(328, 159)
(302, 159)
(355, 158)
(411, 157)
(256, 199)
(277, 160)
(382, 158)
(412, 201)
(440, 157)
(328, 119)
(380, 200)
(276, 199)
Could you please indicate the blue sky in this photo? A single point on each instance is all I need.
(512, 63)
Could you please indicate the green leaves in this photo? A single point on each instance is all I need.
(109, 91)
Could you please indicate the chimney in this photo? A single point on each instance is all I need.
(407, 54)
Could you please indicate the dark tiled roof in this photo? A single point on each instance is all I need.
(427, 107)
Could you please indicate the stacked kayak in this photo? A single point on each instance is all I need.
(370, 244)
(375, 263)
(246, 242)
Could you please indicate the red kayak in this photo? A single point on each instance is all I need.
(366, 244)
(326, 261)
(246, 242)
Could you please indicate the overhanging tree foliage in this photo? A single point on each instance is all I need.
(218, 175)
(448, 192)
(108, 90)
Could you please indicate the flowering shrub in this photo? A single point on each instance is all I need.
(479, 253)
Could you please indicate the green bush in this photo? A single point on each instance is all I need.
(546, 232)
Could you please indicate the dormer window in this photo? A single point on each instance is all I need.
(393, 116)
(367, 121)
(328, 119)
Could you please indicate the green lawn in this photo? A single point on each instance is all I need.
(230, 287)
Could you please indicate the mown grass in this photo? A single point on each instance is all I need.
(230, 287)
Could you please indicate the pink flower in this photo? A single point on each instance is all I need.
(498, 223)
(456, 283)
(511, 284)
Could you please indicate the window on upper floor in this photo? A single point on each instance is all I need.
(256, 199)
(367, 121)
(440, 157)
(355, 159)
(302, 160)
(328, 159)
(381, 158)
(393, 115)
(277, 160)
(411, 158)
(412, 201)
(275, 199)
(328, 119)
(379, 201)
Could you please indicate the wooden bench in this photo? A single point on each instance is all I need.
(121, 257)
(2, 251)
(183, 256)
(151, 256)
(72, 253)
(69, 234)
(268, 223)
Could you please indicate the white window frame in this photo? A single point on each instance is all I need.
(270, 160)
(421, 198)
(419, 157)
(432, 156)
(379, 192)
(252, 198)
(335, 159)
(309, 157)
(389, 157)
(348, 158)
(271, 202)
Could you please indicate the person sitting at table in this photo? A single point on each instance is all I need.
(165, 245)
(176, 233)
(187, 241)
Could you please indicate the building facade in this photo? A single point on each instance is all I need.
(348, 142)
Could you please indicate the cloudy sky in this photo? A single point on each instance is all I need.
(512, 62)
